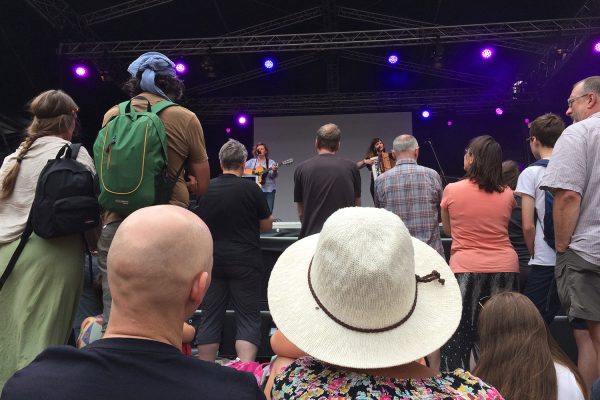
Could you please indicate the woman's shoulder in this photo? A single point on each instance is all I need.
(307, 372)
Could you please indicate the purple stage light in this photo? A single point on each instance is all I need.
(242, 120)
(425, 114)
(487, 53)
(499, 111)
(180, 68)
(393, 59)
(269, 63)
(526, 120)
(449, 123)
(228, 130)
(81, 71)
(597, 47)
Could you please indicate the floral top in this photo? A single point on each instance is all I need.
(307, 378)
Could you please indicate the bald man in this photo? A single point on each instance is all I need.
(160, 263)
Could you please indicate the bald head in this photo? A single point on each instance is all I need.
(405, 146)
(154, 259)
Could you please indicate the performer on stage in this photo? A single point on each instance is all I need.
(266, 169)
(386, 160)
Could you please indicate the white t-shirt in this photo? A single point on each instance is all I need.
(568, 389)
(14, 210)
(529, 185)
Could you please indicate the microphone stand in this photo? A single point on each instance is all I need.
(437, 160)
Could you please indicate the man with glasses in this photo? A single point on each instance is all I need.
(573, 176)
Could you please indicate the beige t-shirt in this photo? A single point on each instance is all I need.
(14, 210)
(185, 140)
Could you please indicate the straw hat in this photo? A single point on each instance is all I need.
(363, 293)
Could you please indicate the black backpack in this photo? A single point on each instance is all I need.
(65, 202)
(547, 218)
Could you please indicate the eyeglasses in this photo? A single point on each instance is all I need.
(483, 300)
(529, 139)
(571, 100)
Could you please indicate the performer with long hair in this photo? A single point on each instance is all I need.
(385, 160)
(266, 169)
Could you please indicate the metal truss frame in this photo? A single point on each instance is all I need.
(120, 10)
(458, 100)
(253, 74)
(278, 23)
(339, 40)
(396, 22)
(60, 15)
(417, 68)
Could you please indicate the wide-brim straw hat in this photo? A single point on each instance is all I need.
(363, 293)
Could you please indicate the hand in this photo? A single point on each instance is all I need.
(275, 167)
(368, 161)
(192, 184)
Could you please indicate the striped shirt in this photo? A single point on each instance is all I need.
(575, 166)
(413, 193)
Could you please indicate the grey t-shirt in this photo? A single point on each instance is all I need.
(324, 184)
(575, 166)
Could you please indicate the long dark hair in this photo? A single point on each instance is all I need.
(486, 169)
(170, 85)
(371, 152)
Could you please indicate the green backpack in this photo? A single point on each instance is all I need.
(131, 159)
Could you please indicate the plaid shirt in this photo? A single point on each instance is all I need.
(413, 193)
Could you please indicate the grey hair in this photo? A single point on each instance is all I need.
(232, 154)
(328, 137)
(405, 143)
(591, 84)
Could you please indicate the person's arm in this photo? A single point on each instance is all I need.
(446, 221)
(363, 163)
(274, 168)
(357, 202)
(300, 207)
(528, 221)
(266, 224)
(567, 205)
(201, 172)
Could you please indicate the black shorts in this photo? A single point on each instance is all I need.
(241, 285)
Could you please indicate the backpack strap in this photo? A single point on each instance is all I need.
(541, 162)
(13, 260)
(75, 147)
(161, 105)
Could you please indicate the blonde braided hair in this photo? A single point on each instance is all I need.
(54, 113)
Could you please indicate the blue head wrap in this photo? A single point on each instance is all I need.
(152, 63)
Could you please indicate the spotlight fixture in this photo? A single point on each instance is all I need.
(242, 120)
(487, 53)
(450, 123)
(228, 130)
(393, 59)
(80, 71)
(597, 47)
(180, 67)
(526, 120)
(499, 111)
(425, 113)
(269, 63)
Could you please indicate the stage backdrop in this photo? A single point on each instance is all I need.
(294, 137)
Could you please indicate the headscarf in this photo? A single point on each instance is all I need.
(152, 63)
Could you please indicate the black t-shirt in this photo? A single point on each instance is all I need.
(324, 184)
(128, 369)
(515, 233)
(232, 208)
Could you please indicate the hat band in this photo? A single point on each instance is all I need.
(434, 275)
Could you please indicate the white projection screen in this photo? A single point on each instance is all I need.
(294, 137)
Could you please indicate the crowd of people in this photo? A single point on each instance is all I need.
(397, 322)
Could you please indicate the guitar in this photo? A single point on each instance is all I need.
(262, 172)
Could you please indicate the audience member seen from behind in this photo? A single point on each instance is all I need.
(510, 175)
(324, 183)
(362, 319)
(235, 211)
(541, 288)
(153, 79)
(519, 355)
(46, 281)
(475, 212)
(159, 262)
